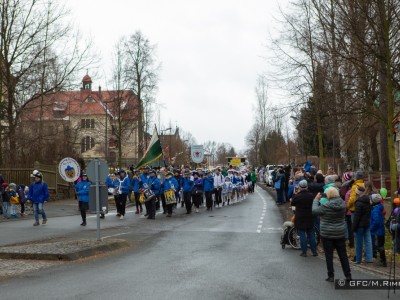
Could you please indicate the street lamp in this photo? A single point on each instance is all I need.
(302, 133)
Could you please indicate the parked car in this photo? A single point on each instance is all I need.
(269, 180)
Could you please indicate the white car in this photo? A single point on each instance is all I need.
(269, 178)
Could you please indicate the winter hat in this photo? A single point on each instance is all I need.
(330, 179)
(376, 198)
(359, 175)
(347, 176)
(4, 185)
(36, 173)
(13, 186)
(122, 171)
(303, 184)
(360, 190)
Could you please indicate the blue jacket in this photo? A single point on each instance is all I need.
(186, 184)
(168, 183)
(143, 180)
(135, 184)
(377, 221)
(198, 185)
(291, 188)
(208, 183)
(109, 182)
(38, 192)
(125, 185)
(82, 190)
(154, 185)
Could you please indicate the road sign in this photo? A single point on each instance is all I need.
(236, 161)
(97, 171)
(69, 169)
(103, 170)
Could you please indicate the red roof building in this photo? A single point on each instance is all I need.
(94, 118)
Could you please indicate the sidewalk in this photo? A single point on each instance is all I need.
(372, 268)
(59, 208)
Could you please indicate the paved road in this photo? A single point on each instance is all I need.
(230, 253)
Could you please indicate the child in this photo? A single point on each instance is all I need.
(6, 199)
(13, 199)
(22, 198)
(227, 188)
(377, 227)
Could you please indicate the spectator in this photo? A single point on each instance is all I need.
(361, 223)
(377, 228)
(333, 230)
(303, 220)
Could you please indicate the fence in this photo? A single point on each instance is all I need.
(58, 188)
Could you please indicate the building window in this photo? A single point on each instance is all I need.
(87, 123)
(87, 143)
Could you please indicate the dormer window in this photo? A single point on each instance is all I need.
(89, 99)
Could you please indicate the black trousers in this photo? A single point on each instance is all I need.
(121, 204)
(197, 199)
(152, 208)
(340, 245)
(350, 231)
(169, 208)
(187, 198)
(22, 207)
(378, 245)
(137, 202)
(83, 206)
(218, 198)
(116, 203)
(164, 204)
(208, 199)
(147, 205)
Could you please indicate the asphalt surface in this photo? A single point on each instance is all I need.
(229, 253)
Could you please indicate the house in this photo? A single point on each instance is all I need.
(91, 123)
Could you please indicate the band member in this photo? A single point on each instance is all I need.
(218, 181)
(123, 187)
(144, 184)
(170, 184)
(197, 192)
(154, 185)
(208, 188)
(187, 185)
(135, 183)
(178, 177)
(82, 190)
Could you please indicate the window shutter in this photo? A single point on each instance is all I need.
(92, 123)
(82, 123)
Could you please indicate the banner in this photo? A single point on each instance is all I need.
(153, 152)
(197, 153)
(69, 169)
(236, 161)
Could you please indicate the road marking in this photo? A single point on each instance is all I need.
(262, 218)
(263, 214)
(117, 234)
(258, 231)
(260, 222)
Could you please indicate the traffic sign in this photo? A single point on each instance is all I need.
(103, 170)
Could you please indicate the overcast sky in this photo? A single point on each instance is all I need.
(210, 51)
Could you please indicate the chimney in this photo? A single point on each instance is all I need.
(99, 89)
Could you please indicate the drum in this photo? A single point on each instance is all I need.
(170, 197)
(148, 195)
(111, 191)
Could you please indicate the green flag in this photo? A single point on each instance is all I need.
(153, 152)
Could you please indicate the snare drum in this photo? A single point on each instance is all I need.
(170, 197)
(148, 195)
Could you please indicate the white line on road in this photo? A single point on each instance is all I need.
(259, 226)
(258, 231)
(117, 234)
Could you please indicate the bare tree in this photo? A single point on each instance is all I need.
(141, 71)
(30, 31)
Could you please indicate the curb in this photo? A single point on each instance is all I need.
(94, 248)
